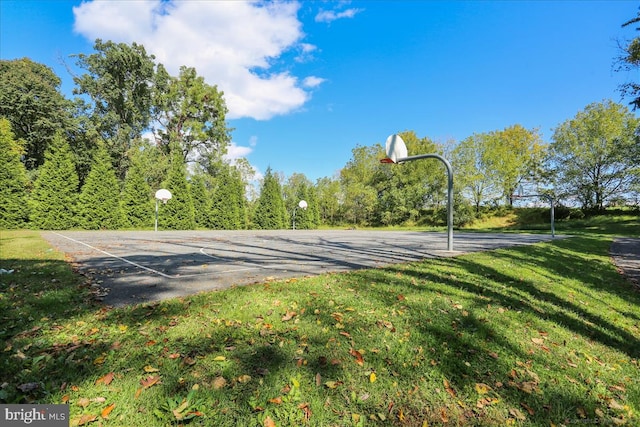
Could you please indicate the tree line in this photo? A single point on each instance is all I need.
(95, 162)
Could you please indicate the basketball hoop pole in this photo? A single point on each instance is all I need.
(163, 195)
(449, 191)
(397, 153)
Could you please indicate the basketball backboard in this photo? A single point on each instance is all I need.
(163, 195)
(395, 149)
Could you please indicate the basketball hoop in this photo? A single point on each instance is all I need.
(164, 196)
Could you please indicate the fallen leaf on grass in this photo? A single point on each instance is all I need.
(219, 382)
(357, 355)
(83, 402)
(448, 388)
(288, 316)
(105, 379)
(613, 404)
(244, 379)
(372, 377)
(307, 411)
(151, 380)
(268, 422)
(482, 388)
(83, 420)
(515, 413)
(149, 369)
(528, 408)
(486, 401)
(106, 411)
(189, 361)
(332, 384)
(444, 416)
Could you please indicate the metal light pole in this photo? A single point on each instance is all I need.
(397, 153)
(551, 202)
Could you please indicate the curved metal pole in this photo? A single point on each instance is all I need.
(450, 191)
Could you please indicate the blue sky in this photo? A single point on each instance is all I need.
(305, 82)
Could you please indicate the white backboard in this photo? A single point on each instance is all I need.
(163, 195)
(395, 148)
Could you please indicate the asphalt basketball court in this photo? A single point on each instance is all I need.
(142, 266)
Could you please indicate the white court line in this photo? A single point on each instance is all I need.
(116, 257)
(160, 273)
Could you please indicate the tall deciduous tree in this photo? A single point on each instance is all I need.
(54, 197)
(356, 177)
(404, 190)
(270, 212)
(594, 156)
(473, 178)
(191, 113)
(120, 84)
(31, 100)
(329, 195)
(99, 201)
(630, 60)
(510, 155)
(13, 179)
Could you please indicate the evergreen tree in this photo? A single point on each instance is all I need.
(313, 208)
(201, 202)
(224, 205)
(238, 187)
(136, 205)
(55, 192)
(13, 178)
(177, 213)
(270, 213)
(99, 206)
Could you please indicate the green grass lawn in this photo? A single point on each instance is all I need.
(539, 335)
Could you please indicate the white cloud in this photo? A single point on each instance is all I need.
(235, 151)
(312, 82)
(231, 43)
(329, 16)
